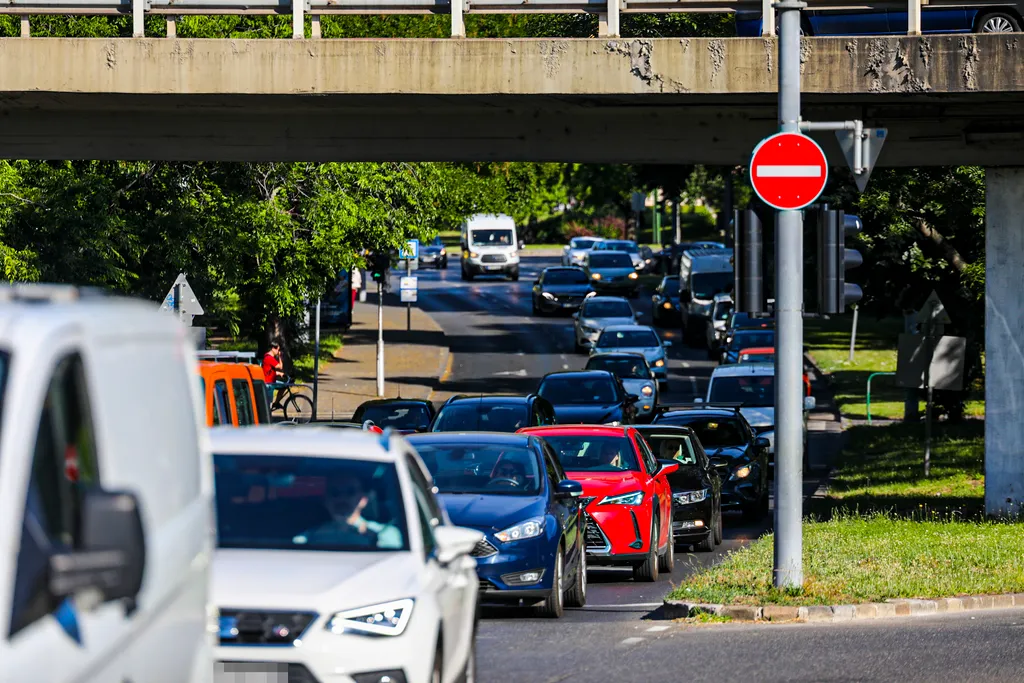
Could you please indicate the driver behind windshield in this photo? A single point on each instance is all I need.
(508, 472)
(345, 500)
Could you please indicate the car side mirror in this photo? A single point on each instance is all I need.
(112, 557)
(762, 443)
(666, 344)
(666, 467)
(567, 488)
(522, 245)
(809, 403)
(454, 542)
(632, 398)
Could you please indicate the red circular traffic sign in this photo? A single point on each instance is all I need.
(788, 171)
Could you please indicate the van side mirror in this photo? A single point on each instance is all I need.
(112, 557)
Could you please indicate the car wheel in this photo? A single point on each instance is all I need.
(554, 605)
(998, 22)
(718, 528)
(707, 544)
(577, 595)
(667, 562)
(756, 510)
(466, 276)
(648, 570)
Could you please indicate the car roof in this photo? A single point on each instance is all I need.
(744, 369)
(493, 438)
(322, 442)
(577, 430)
(666, 429)
(579, 373)
(628, 328)
(492, 399)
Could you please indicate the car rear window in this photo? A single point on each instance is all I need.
(403, 416)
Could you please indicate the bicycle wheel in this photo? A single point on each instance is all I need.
(298, 407)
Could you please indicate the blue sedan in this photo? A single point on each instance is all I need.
(513, 489)
(966, 18)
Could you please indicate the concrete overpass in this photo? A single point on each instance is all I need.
(945, 99)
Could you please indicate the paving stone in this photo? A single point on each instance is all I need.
(819, 613)
(740, 612)
(780, 613)
(867, 611)
(1002, 601)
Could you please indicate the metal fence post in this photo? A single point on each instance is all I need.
(138, 18)
(767, 18)
(913, 17)
(608, 22)
(458, 20)
(298, 19)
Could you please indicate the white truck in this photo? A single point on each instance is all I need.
(106, 493)
(490, 246)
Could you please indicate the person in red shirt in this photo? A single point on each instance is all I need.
(273, 375)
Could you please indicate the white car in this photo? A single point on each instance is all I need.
(640, 339)
(596, 313)
(575, 253)
(335, 561)
(106, 492)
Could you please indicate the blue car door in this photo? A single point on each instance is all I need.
(933, 20)
(849, 22)
(565, 510)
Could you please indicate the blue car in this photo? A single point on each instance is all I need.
(513, 489)
(967, 18)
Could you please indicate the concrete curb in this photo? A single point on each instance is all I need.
(680, 609)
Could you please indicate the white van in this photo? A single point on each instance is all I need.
(490, 246)
(703, 273)
(106, 493)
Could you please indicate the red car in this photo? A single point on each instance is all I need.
(627, 499)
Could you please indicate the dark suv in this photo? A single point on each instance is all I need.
(504, 413)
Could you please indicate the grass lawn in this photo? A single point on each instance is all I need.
(884, 531)
(828, 342)
(303, 362)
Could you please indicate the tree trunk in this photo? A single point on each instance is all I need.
(935, 238)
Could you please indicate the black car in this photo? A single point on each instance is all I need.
(560, 288)
(665, 301)
(588, 397)
(404, 415)
(492, 413)
(696, 486)
(434, 254)
(755, 338)
(739, 456)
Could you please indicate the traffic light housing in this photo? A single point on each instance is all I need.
(834, 294)
(380, 265)
(748, 271)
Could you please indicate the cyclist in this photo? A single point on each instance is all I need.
(273, 375)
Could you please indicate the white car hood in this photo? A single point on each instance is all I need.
(314, 580)
(759, 416)
(601, 323)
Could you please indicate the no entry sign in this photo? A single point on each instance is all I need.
(788, 171)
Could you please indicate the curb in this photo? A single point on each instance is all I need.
(679, 609)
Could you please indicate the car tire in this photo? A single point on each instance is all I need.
(648, 569)
(707, 544)
(553, 606)
(757, 510)
(997, 22)
(536, 308)
(466, 276)
(718, 528)
(577, 595)
(667, 562)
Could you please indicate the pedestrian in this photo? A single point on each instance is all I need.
(357, 284)
(273, 376)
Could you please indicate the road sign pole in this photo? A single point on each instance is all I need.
(316, 359)
(929, 331)
(380, 339)
(789, 278)
(408, 304)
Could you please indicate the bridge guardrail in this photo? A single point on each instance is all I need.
(608, 11)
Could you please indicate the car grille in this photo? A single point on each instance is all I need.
(493, 258)
(259, 627)
(569, 299)
(594, 537)
(484, 549)
(486, 585)
(232, 672)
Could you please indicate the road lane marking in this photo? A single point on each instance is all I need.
(658, 629)
(632, 641)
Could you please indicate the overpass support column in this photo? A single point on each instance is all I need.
(458, 22)
(298, 19)
(1004, 342)
(608, 22)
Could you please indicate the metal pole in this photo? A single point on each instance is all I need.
(408, 304)
(380, 339)
(928, 405)
(316, 360)
(789, 278)
(853, 332)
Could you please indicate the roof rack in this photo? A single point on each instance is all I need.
(685, 406)
(47, 293)
(228, 356)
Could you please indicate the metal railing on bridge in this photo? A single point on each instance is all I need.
(608, 11)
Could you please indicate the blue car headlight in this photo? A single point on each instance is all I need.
(530, 528)
(631, 498)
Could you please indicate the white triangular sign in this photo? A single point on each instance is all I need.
(189, 303)
(933, 311)
(874, 138)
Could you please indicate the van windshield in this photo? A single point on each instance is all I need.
(706, 285)
(495, 237)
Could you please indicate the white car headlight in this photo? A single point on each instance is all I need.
(742, 472)
(530, 528)
(633, 276)
(473, 254)
(646, 391)
(632, 498)
(687, 497)
(386, 619)
(443, 252)
(548, 295)
(659, 363)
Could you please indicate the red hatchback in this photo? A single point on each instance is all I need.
(627, 498)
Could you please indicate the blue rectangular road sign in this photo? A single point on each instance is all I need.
(410, 251)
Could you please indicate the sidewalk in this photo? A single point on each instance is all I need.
(413, 360)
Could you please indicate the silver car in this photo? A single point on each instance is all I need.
(637, 339)
(597, 313)
(636, 375)
(574, 253)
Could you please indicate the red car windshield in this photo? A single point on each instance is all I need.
(587, 453)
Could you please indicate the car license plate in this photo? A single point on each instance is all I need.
(493, 267)
(250, 672)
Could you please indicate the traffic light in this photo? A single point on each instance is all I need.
(748, 274)
(834, 259)
(379, 266)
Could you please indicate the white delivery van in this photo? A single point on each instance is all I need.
(106, 493)
(703, 273)
(490, 246)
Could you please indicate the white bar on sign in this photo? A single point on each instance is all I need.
(768, 171)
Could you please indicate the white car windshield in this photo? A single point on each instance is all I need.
(582, 243)
(627, 247)
(624, 368)
(495, 237)
(267, 502)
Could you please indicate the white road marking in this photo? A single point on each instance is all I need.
(632, 641)
(794, 171)
(507, 373)
(658, 629)
(685, 364)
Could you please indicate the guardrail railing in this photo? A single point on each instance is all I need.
(608, 11)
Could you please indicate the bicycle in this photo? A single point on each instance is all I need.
(295, 406)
